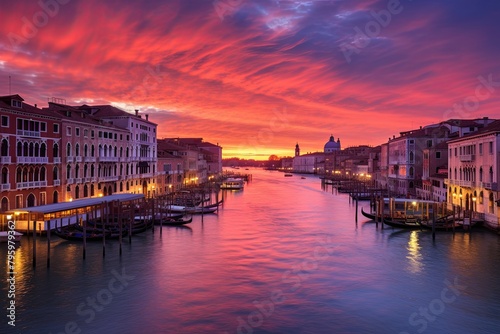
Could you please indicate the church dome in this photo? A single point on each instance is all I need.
(332, 145)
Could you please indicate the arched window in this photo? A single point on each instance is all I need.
(55, 197)
(77, 171)
(77, 192)
(85, 191)
(30, 200)
(25, 150)
(5, 148)
(5, 175)
(43, 150)
(19, 175)
(491, 175)
(92, 192)
(85, 151)
(55, 173)
(68, 172)
(32, 150)
(92, 151)
(85, 170)
(55, 151)
(92, 171)
(19, 149)
(480, 174)
(37, 150)
(5, 204)
(412, 156)
(77, 150)
(68, 150)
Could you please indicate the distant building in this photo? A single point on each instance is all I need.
(315, 162)
(332, 145)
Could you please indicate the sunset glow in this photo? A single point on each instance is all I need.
(258, 76)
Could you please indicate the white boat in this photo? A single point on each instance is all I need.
(232, 184)
(191, 209)
(4, 236)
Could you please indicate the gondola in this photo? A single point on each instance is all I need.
(368, 215)
(411, 224)
(175, 222)
(78, 236)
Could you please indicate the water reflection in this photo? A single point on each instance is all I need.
(415, 264)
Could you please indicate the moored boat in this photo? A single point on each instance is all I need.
(407, 224)
(15, 236)
(232, 183)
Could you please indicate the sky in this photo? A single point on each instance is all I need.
(259, 76)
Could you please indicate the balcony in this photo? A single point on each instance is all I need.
(489, 185)
(108, 178)
(460, 183)
(57, 182)
(78, 159)
(26, 133)
(70, 181)
(5, 160)
(78, 180)
(32, 160)
(57, 160)
(5, 186)
(70, 159)
(467, 157)
(89, 159)
(32, 184)
(109, 159)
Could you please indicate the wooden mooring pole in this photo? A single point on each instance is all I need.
(34, 243)
(48, 244)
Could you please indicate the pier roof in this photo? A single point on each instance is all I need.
(76, 204)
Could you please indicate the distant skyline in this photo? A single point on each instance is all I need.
(258, 76)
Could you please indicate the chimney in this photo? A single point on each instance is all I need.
(137, 112)
(147, 117)
(35, 105)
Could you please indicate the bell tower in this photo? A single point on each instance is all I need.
(297, 150)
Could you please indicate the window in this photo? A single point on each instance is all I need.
(438, 155)
(5, 121)
(455, 151)
(481, 149)
(16, 103)
(92, 134)
(429, 143)
(19, 201)
(77, 132)
(56, 128)
(68, 131)
(491, 147)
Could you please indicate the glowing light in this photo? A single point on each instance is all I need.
(9, 217)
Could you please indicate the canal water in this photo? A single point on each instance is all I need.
(281, 256)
